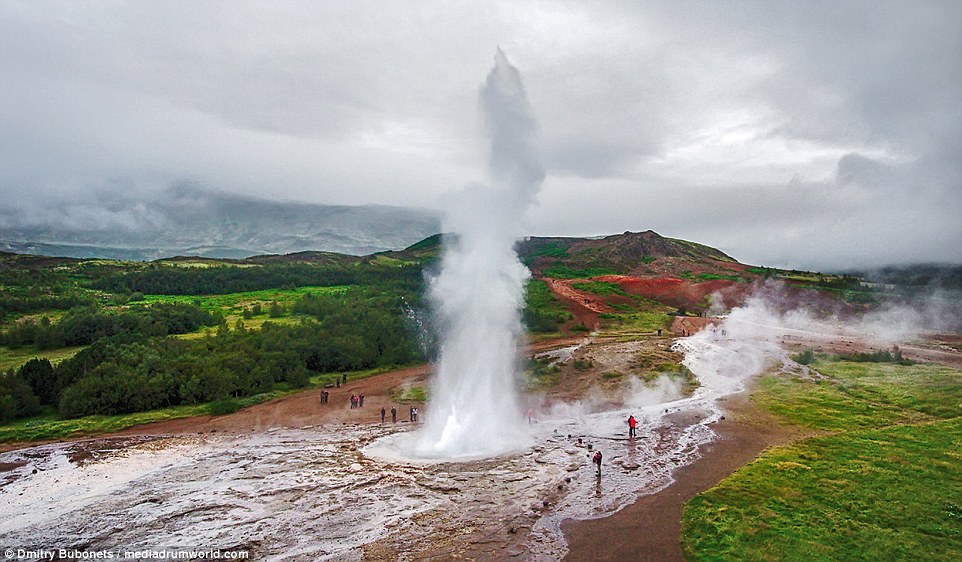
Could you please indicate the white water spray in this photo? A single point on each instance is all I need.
(478, 295)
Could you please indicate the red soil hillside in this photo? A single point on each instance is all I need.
(680, 293)
(673, 292)
(676, 273)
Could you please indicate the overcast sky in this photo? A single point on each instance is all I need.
(810, 134)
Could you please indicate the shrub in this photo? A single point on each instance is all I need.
(38, 373)
(17, 400)
(894, 356)
(806, 357)
(275, 310)
(224, 406)
(582, 364)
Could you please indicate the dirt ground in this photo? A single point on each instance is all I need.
(608, 356)
(584, 306)
(302, 409)
(935, 348)
(680, 292)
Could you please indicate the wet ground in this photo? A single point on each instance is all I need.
(313, 493)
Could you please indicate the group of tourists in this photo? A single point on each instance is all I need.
(413, 413)
(357, 401)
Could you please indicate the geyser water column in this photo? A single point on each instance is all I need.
(479, 293)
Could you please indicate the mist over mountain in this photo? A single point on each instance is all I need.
(191, 221)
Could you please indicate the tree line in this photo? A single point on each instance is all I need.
(85, 326)
(171, 280)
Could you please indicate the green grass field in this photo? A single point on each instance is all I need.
(544, 308)
(412, 394)
(884, 484)
(600, 288)
(14, 358)
(235, 303)
(635, 324)
(565, 272)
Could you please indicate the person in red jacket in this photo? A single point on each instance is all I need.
(632, 424)
(597, 461)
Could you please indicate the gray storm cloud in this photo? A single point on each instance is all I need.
(689, 118)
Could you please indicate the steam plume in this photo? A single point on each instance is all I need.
(754, 336)
(478, 294)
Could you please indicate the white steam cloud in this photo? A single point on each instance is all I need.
(757, 335)
(478, 294)
(639, 394)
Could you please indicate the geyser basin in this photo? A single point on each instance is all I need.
(316, 494)
(332, 492)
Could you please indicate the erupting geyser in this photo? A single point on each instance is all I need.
(478, 295)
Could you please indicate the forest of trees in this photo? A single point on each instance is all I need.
(136, 370)
(86, 325)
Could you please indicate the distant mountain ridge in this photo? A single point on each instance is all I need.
(186, 221)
